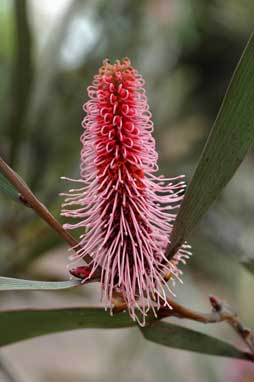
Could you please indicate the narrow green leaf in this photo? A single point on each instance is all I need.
(231, 137)
(178, 337)
(248, 264)
(7, 188)
(8, 283)
(23, 324)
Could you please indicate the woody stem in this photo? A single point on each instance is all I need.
(220, 312)
(30, 200)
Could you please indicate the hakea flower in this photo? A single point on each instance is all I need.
(127, 210)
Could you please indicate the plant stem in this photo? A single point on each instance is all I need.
(220, 312)
(29, 199)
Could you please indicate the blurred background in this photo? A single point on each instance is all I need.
(187, 51)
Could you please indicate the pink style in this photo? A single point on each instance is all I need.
(128, 211)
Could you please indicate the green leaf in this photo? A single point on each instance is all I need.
(8, 283)
(231, 137)
(23, 324)
(248, 264)
(178, 337)
(7, 188)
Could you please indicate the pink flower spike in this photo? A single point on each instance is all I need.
(128, 211)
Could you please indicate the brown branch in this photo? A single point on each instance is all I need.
(29, 199)
(182, 312)
(220, 312)
(227, 314)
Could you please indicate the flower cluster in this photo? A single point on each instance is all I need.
(126, 210)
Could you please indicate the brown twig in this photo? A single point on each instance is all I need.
(220, 312)
(227, 314)
(29, 199)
